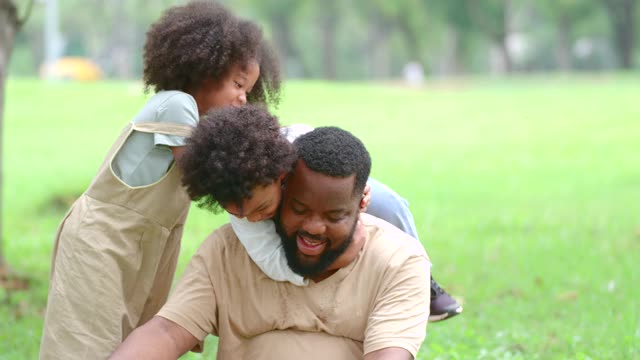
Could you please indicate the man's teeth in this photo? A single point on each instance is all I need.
(312, 242)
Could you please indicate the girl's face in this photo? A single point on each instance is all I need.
(262, 205)
(231, 91)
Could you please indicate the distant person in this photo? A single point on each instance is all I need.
(368, 291)
(116, 250)
(413, 74)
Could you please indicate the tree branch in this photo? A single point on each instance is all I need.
(20, 22)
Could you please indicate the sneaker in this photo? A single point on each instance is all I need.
(443, 306)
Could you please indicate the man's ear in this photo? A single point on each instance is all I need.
(365, 198)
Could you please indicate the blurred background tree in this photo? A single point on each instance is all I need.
(368, 39)
(11, 22)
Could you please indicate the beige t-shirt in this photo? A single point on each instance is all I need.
(380, 300)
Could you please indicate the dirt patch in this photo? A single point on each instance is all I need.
(59, 203)
(11, 282)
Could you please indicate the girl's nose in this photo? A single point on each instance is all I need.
(242, 98)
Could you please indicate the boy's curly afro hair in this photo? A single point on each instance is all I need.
(203, 40)
(231, 151)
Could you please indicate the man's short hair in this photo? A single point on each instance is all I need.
(335, 152)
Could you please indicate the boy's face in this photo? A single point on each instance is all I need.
(262, 205)
(230, 91)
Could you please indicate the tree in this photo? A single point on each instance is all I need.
(622, 15)
(328, 24)
(10, 24)
(457, 20)
(280, 15)
(491, 17)
(565, 14)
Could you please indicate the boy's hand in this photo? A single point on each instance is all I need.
(366, 198)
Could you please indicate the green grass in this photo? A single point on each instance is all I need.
(526, 193)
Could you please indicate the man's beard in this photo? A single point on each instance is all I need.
(327, 257)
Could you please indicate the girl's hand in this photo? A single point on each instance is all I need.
(366, 198)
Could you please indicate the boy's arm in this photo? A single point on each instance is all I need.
(263, 244)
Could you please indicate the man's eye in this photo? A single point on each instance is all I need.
(336, 219)
(297, 211)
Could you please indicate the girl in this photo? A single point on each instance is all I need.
(116, 250)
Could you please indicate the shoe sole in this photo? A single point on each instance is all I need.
(444, 316)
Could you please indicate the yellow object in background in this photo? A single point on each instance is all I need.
(72, 68)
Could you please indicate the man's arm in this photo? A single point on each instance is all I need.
(157, 339)
(399, 317)
(390, 353)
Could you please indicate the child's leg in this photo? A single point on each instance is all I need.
(163, 276)
(391, 207)
(99, 284)
(388, 205)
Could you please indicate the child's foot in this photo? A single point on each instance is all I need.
(443, 306)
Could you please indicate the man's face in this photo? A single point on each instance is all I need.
(318, 217)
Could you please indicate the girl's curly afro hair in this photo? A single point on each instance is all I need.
(203, 40)
(231, 151)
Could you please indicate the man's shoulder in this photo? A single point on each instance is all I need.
(222, 242)
(388, 243)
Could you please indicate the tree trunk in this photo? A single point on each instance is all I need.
(563, 43)
(451, 60)
(285, 45)
(622, 18)
(625, 31)
(378, 49)
(122, 42)
(328, 28)
(9, 26)
(506, 62)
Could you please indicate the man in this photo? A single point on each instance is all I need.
(368, 293)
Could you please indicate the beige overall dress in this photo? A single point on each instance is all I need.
(114, 258)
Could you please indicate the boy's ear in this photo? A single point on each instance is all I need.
(282, 179)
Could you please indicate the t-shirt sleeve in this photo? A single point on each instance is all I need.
(193, 303)
(263, 244)
(180, 109)
(401, 309)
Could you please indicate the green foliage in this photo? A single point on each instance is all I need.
(524, 192)
(372, 39)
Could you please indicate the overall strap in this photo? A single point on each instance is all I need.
(164, 128)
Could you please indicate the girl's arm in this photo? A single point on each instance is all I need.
(264, 247)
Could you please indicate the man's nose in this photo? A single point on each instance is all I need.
(314, 226)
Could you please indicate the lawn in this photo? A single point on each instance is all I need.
(526, 194)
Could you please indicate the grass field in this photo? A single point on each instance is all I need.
(526, 193)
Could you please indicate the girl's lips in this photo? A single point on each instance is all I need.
(310, 247)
